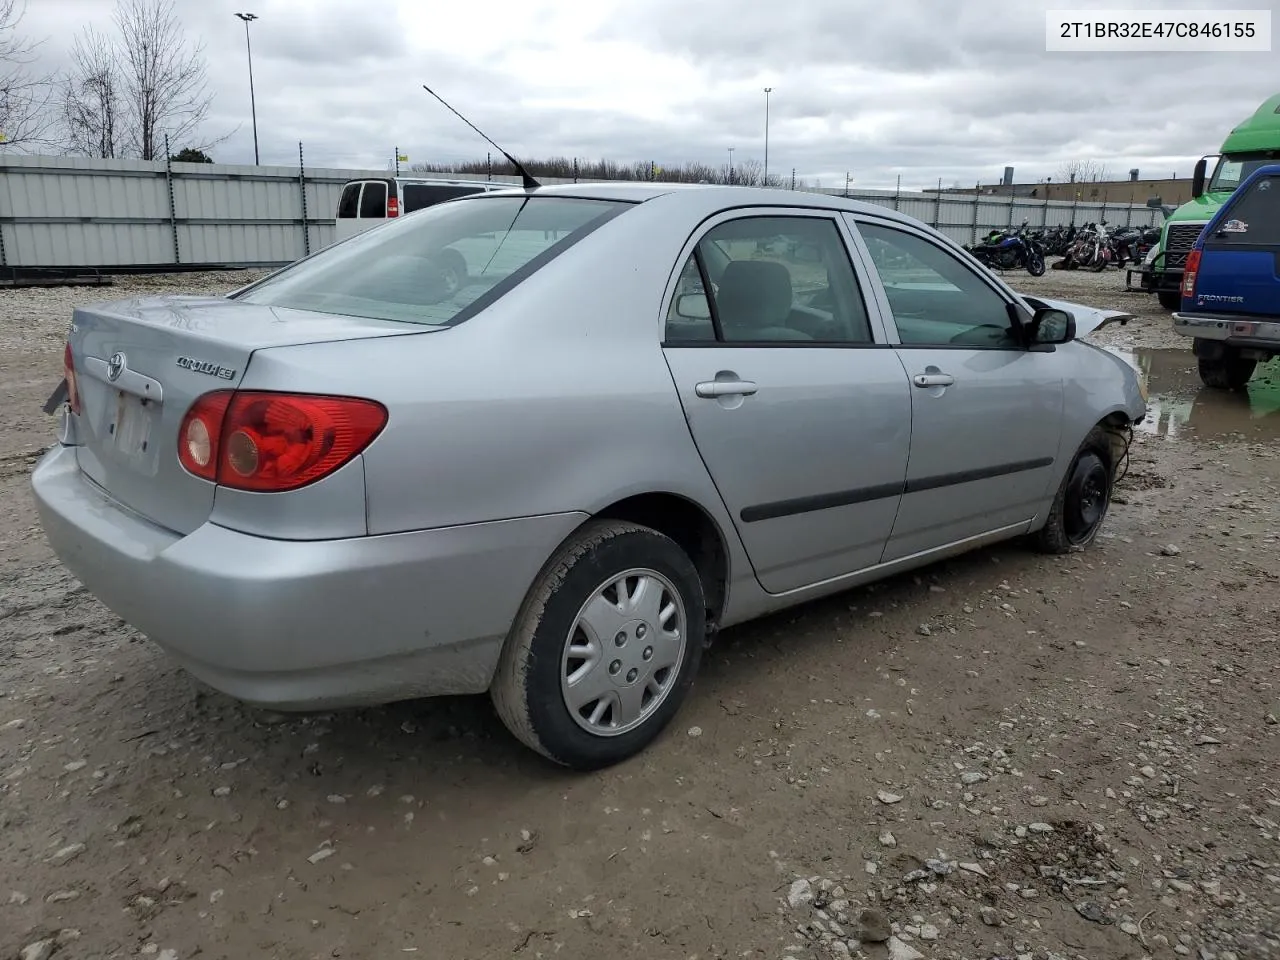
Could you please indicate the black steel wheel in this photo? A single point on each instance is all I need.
(1088, 494)
(1081, 503)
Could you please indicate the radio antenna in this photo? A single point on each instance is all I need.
(529, 182)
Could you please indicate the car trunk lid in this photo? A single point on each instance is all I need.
(141, 363)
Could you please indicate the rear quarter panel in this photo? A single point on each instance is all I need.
(554, 399)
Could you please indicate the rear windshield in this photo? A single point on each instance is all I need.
(439, 266)
(373, 202)
(1253, 218)
(349, 203)
(419, 195)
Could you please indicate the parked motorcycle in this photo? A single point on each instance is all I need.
(1008, 250)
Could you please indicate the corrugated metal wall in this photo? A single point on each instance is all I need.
(80, 212)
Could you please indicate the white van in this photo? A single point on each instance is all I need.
(369, 202)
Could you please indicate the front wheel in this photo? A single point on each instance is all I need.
(605, 647)
(1082, 500)
(1035, 265)
(1230, 371)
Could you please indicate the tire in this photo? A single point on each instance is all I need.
(1072, 525)
(453, 268)
(531, 689)
(1035, 265)
(1227, 372)
(1170, 299)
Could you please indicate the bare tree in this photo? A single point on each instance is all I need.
(165, 81)
(91, 98)
(24, 95)
(1083, 171)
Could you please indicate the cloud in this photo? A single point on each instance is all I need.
(916, 88)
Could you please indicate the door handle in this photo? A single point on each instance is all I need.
(933, 379)
(725, 388)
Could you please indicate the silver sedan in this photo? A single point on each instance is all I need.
(644, 414)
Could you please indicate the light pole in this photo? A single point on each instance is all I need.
(731, 166)
(253, 107)
(767, 91)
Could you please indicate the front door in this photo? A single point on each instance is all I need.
(801, 417)
(986, 413)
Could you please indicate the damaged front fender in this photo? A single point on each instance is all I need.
(1088, 319)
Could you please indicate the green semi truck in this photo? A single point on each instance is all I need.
(1250, 145)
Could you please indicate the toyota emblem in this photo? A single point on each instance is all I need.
(115, 366)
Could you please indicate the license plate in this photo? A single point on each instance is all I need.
(132, 426)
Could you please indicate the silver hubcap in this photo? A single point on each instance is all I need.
(623, 652)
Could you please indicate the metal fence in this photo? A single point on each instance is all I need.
(70, 213)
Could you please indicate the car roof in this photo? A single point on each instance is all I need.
(708, 196)
(435, 181)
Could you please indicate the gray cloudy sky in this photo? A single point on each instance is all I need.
(921, 88)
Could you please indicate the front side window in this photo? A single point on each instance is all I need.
(1254, 217)
(440, 266)
(349, 203)
(373, 202)
(774, 279)
(936, 300)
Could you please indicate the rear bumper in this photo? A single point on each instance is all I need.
(303, 624)
(1233, 331)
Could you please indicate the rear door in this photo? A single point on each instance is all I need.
(1239, 269)
(986, 413)
(798, 407)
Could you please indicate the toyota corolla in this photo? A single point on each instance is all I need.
(644, 414)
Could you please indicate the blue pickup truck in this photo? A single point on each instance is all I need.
(1231, 284)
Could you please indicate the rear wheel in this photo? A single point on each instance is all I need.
(604, 649)
(1228, 371)
(1082, 501)
(1170, 299)
(453, 270)
(1035, 265)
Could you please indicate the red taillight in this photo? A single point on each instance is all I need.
(201, 432)
(393, 206)
(69, 374)
(1189, 274)
(270, 442)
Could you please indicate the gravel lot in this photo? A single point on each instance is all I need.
(1004, 755)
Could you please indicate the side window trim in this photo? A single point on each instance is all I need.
(879, 316)
(876, 317)
(854, 220)
(712, 308)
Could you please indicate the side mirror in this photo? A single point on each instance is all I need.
(693, 306)
(1050, 325)
(1197, 178)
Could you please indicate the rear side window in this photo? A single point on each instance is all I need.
(439, 267)
(419, 195)
(1254, 217)
(349, 202)
(774, 279)
(373, 202)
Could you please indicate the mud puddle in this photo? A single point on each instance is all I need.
(1179, 405)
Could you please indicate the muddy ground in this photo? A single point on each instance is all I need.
(1004, 755)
